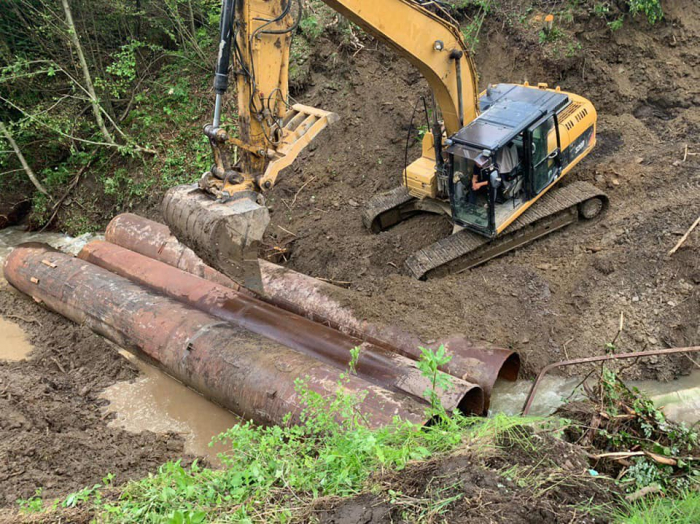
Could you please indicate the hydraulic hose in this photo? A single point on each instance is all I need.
(224, 57)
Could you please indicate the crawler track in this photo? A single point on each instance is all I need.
(465, 249)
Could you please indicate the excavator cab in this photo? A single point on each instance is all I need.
(506, 157)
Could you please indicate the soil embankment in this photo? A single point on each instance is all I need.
(562, 296)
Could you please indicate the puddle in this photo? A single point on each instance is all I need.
(14, 345)
(159, 403)
(678, 399)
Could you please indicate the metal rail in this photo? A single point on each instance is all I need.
(601, 358)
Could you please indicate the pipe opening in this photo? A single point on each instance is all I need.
(511, 368)
(473, 402)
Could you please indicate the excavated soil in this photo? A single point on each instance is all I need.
(561, 297)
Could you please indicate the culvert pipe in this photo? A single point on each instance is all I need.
(376, 364)
(320, 302)
(248, 374)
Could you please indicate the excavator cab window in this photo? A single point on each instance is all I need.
(544, 154)
(503, 177)
(471, 207)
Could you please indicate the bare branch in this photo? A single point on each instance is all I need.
(73, 35)
(23, 161)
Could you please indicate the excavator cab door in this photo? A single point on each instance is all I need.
(470, 209)
(543, 153)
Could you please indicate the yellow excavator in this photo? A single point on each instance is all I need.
(491, 161)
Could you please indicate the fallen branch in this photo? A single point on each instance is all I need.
(685, 237)
(294, 200)
(643, 492)
(620, 455)
(76, 179)
(341, 283)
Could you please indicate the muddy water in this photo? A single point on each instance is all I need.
(153, 402)
(156, 402)
(678, 399)
(14, 345)
(13, 236)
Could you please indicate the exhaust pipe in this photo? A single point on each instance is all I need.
(248, 374)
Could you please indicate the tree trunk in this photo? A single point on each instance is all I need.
(192, 24)
(73, 34)
(23, 161)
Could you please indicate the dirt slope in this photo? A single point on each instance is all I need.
(562, 296)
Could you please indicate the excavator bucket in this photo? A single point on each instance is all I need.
(226, 235)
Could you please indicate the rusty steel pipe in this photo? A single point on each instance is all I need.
(318, 301)
(244, 372)
(375, 364)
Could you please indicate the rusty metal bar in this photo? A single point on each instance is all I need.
(601, 358)
(376, 364)
(244, 372)
(318, 301)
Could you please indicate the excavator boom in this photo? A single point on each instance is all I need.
(224, 217)
(544, 132)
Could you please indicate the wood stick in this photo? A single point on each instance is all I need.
(27, 169)
(294, 201)
(685, 237)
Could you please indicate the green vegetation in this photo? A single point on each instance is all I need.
(476, 12)
(651, 9)
(129, 88)
(273, 474)
(657, 454)
(683, 509)
(277, 474)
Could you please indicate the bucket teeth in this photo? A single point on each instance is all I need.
(226, 235)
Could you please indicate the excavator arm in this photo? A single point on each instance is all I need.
(224, 218)
(431, 42)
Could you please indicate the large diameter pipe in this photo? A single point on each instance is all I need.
(318, 301)
(376, 364)
(244, 372)
(332, 305)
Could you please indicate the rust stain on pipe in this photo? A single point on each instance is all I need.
(376, 364)
(244, 372)
(318, 301)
